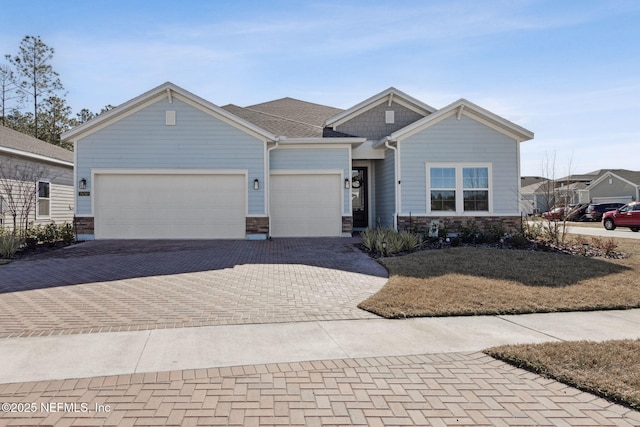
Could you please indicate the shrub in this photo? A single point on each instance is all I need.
(470, 232)
(387, 241)
(50, 233)
(607, 246)
(9, 244)
(532, 230)
(410, 241)
(67, 233)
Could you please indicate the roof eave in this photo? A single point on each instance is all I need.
(34, 156)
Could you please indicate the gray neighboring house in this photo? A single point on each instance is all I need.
(601, 186)
(169, 164)
(49, 169)
(613, 185)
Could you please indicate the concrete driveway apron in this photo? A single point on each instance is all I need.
(102, 286)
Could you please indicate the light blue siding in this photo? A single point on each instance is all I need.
(385, 189)
(459, 141)
(198, 140)
(302, 158)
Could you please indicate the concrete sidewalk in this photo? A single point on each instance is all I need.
(119, 353)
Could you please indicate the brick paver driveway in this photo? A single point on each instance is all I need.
(424, 390)
(130, 285)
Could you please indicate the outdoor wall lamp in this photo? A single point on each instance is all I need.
(256, 184)
(347, 184)
(83, 184)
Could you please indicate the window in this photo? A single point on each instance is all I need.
(44, 198)
(475, 182)
(443, 189)
(459, 189)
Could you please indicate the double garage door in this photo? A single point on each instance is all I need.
(173, 206)
(212, 206)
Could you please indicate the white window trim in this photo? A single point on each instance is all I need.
(38, 216)
(459, 188)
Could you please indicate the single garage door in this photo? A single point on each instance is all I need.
(173, 206)
(306, 205)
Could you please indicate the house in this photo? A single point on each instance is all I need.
(36, 181)
(536, 195)
(613, 185)
(169, 164)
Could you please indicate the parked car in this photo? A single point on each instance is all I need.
(578, 212)
(594, 212)
(554, 214)
(626, 216)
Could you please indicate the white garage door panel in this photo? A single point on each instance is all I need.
(306, 205)
(170, 206)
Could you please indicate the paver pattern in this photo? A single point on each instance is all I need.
(113, 286)
(427, 390)
(105, 286)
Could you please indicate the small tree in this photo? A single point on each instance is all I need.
(555, 195)
(19, 188)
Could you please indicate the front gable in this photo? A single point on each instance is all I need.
(168, 92)
(459, 109)
(380, 115)
(379, 121)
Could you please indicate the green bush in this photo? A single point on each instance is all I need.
(67, 233)
(387, 241)
(9, 244)
(50, 233)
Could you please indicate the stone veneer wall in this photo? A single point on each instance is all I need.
(510, 224)
(84, 224)
(347, 224)
(257, 225)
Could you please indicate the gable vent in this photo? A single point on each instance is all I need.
(389, 117)
(170, 118)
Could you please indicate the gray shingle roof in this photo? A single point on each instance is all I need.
(632, 176)
(287, 117)
(15, 140)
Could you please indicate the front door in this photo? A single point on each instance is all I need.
(359, 197)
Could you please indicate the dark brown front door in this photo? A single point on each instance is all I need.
(359, 197)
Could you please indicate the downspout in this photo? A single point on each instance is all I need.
(396, 183)
(267, 190)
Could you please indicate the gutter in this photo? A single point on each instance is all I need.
(267, 190)
(397, 181)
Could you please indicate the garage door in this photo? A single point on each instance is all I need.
(306, 205)
(131, 206)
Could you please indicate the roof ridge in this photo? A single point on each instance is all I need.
(281, 117)
(294, 99)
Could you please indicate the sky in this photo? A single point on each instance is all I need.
(568, 70)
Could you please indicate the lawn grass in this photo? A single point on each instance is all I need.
(486, 281)
(608, 369)
(469, 281)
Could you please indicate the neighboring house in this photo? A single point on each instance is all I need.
(601, 186)
(536, 195)
(615, 185)
(36, 181)
(169, 164)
